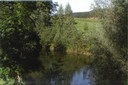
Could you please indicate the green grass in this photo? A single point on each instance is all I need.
(81, 22)
(94, 26)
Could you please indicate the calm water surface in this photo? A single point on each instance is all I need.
(69, 69)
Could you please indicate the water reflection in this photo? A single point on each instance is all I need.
(58, 69)
(108, 71)
(81, 77)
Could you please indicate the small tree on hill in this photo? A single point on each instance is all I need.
(69, 14)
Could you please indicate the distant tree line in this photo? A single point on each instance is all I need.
(81, 14)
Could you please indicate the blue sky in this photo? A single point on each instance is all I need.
(77, 5)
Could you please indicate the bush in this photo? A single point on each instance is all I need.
(4, 76)
(59, 47)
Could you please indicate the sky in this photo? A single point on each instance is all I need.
(77, 5)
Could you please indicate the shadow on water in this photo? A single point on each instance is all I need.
(108, 71)
(56, 69)
(69, 69)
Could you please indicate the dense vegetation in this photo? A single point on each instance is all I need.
(114, 29)
(27, 28)
(20, 41)
(112, 41)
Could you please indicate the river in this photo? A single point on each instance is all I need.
(71, 69)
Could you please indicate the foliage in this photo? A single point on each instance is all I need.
(101, 73)
(113, 17)
(5, 76)
(18, 37)
(60, 32)
(59, 47)
(19, 34)
(69, 15)
(60, 11)
(114, 20)
(68, 10)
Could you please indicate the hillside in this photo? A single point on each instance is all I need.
(81, 14)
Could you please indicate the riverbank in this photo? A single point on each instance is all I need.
(86, 52)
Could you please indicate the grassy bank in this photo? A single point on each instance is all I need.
(87, 29)
(82, 22)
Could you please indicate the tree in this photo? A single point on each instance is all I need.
(58, 29)
(116, 28)
(60, 16)
(69, 15)
(20, 41)
(68, 10)
(44, 22)
(113, 16)
(60, 11)
(18, 37)
(43, 13)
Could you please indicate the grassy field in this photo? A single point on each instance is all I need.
(93, 26)
(82, 22)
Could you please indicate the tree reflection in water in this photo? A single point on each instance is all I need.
(58, 69)
(107, 71)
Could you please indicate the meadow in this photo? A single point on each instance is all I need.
(91, 26)
(82, 22)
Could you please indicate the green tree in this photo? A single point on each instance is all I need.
(116, 28)
(60, 10)
(113, 16)
(68, 10)
(58, 40)
(60, 16)
(45, 22)
(20, 41)
(69, 15)
(18, 37)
